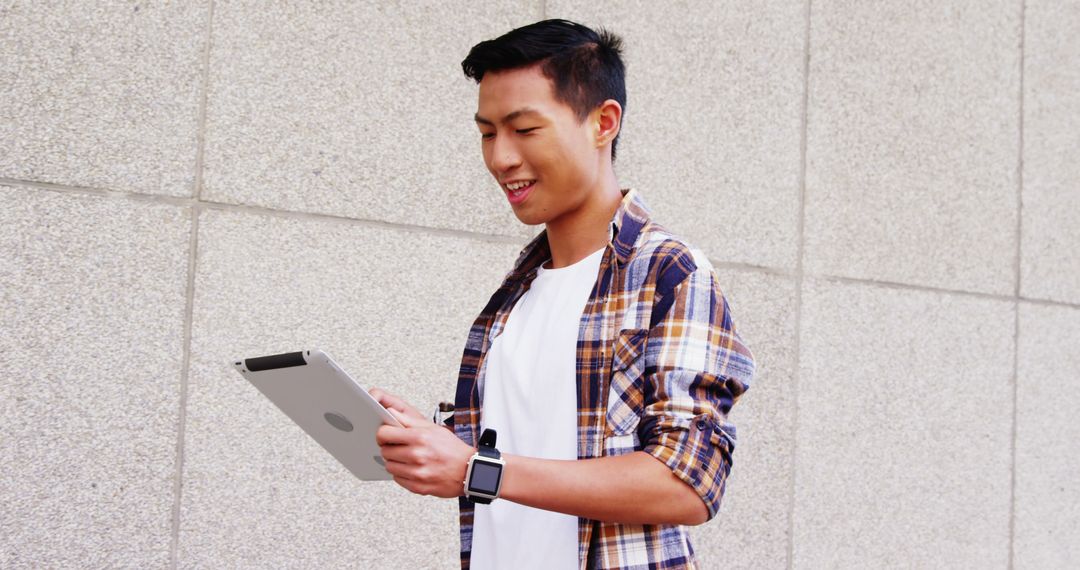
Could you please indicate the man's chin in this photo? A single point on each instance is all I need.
(528, 217)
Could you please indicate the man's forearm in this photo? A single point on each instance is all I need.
(634, 488)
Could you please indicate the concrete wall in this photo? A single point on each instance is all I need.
(890, 193)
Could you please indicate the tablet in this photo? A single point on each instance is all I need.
(327, 403)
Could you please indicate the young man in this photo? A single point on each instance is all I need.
(606, 362)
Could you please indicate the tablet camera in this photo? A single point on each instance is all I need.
(338, 421)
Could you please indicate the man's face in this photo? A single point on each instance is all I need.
(542, 143)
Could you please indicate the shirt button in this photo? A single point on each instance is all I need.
(701, 424)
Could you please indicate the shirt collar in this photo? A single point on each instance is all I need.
(626, 224)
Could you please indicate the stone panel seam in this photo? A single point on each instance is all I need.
(740, 266)
(201, 121)
(367, 223)
(911, 287)
(261, 210)
(193, 245)
(178, 483)
(203, 205)
(1016, 296)
(799, 279)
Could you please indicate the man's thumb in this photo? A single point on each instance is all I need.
(401, 417)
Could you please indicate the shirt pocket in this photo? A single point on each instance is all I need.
(626, 400)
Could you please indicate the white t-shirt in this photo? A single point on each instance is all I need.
(530, 400)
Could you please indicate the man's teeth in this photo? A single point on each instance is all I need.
(519, 185)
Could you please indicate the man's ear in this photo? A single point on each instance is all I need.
(606, 121)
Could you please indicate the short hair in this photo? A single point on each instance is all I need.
(585, 67)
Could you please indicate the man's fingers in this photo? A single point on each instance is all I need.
(391, 435)
(400, 470)
(405, 482)
(405, 419)
(392, 455)
(381, 396)
(387, 399)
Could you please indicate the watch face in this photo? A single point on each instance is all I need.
(485, 477)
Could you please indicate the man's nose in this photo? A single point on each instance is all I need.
(504, 156)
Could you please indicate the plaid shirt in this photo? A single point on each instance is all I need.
(659, 367)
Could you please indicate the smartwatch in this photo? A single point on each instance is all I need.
(484, 476)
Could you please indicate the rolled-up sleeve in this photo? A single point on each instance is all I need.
(697, 367)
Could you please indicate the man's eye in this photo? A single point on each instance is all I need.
(523, 131)
(486, 135)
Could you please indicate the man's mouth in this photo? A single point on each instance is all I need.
(517, 191)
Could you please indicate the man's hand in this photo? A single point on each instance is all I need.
(429, 460)
(423, 456)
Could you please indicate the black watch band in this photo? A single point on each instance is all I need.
(487, 445)
(479, 499)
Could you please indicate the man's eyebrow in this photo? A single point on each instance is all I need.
(509, 116)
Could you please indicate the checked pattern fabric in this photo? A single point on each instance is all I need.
(659, 367)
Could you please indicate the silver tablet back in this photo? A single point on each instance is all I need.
(316, 394)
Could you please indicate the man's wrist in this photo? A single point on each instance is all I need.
(484, 472)
(465, 470)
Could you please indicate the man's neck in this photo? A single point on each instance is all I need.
(574, 239)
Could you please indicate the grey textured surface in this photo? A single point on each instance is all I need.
(752, 519)
(356, 109)
(1047, 397)
(724, 88)
(338, 161)
(913, 143)
(103, 95)
(92, 297)
(1051, 229)
(393, 308)
(903, 429)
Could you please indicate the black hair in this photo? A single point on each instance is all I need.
(584, 66)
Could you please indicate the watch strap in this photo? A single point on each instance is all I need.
(489, 452)
(479, 499)
(487, 444)
(487, 439)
